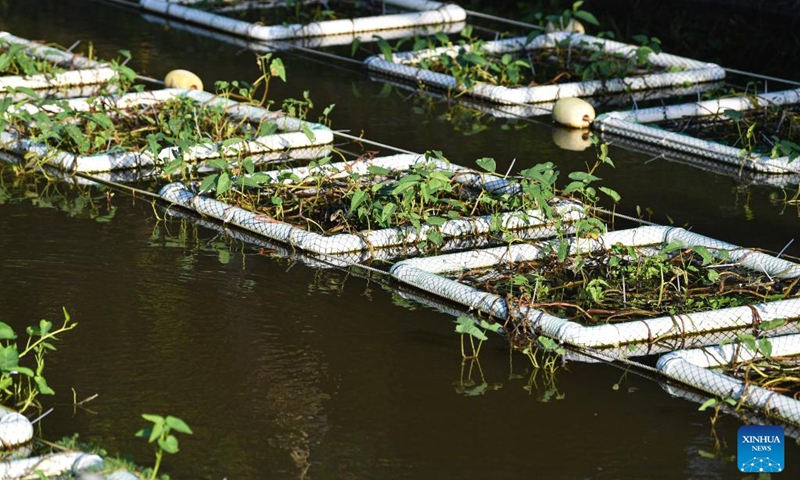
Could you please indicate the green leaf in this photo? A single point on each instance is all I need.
(357, 199)
(466, 325)
(223, 182)
(772, 324)
(25, 371)
(178, 425)
(475, 58)
(492, 327)
(267, 128)
(436, 221)
(749, 341)
(583, 177)
(354, 46)
(276, 69)
(384, 47)
(586, 17)
(611, 193)
(307, 130)
(9, 358)
(766, 347)
(145, 432)
(705, 454)
(548, 343)
(563, 250)
(704, 254)
(224, 257)
(169, 444)
(376, 170)
(711, 402)
(487, 164)
(41, 385)
(6, 332)
(44, 327)
(733, 114)
(208, 183)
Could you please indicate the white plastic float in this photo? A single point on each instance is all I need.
(427, 274)
(290, 134)
(695, 368)
(680, 71)
(81, 71)
(635, 125)
(425, 13)
(369, 241)
(261, 46)
(51, 465)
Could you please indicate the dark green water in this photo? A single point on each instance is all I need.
(280, 367)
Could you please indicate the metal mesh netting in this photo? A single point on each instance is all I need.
(634, 124)
(430, 13)
(688, 71)
(459, 233)
(718, 371)
(291, 133)
(81, 70)
(430, 274)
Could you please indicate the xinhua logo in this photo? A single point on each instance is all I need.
(760, 448)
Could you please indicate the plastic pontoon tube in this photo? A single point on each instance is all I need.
(692, 367)
(632, 124)
(425, 274)
(49, 465)
(433, 13)
(290, 134)
(403, 65)
(82, 70)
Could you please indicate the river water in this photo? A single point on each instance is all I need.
(288, 371)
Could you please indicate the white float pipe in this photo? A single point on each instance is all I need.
(439, 15)
(691, 367)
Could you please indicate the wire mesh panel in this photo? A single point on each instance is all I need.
(754, 377)
(399, 240)
(285, 132)
(640, 125)
(71, 70)
(678, 71)
(460, 278)
(423, 13)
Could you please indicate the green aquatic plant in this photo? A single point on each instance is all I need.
(160, 433)
(20, 385)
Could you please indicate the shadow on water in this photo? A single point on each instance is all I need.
(285, 370)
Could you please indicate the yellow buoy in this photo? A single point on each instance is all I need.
(573, 112)
(571, 139)
(571, 25)
(183, 79)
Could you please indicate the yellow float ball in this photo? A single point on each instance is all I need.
(183, 79)
(572, 26)
(573, 113)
